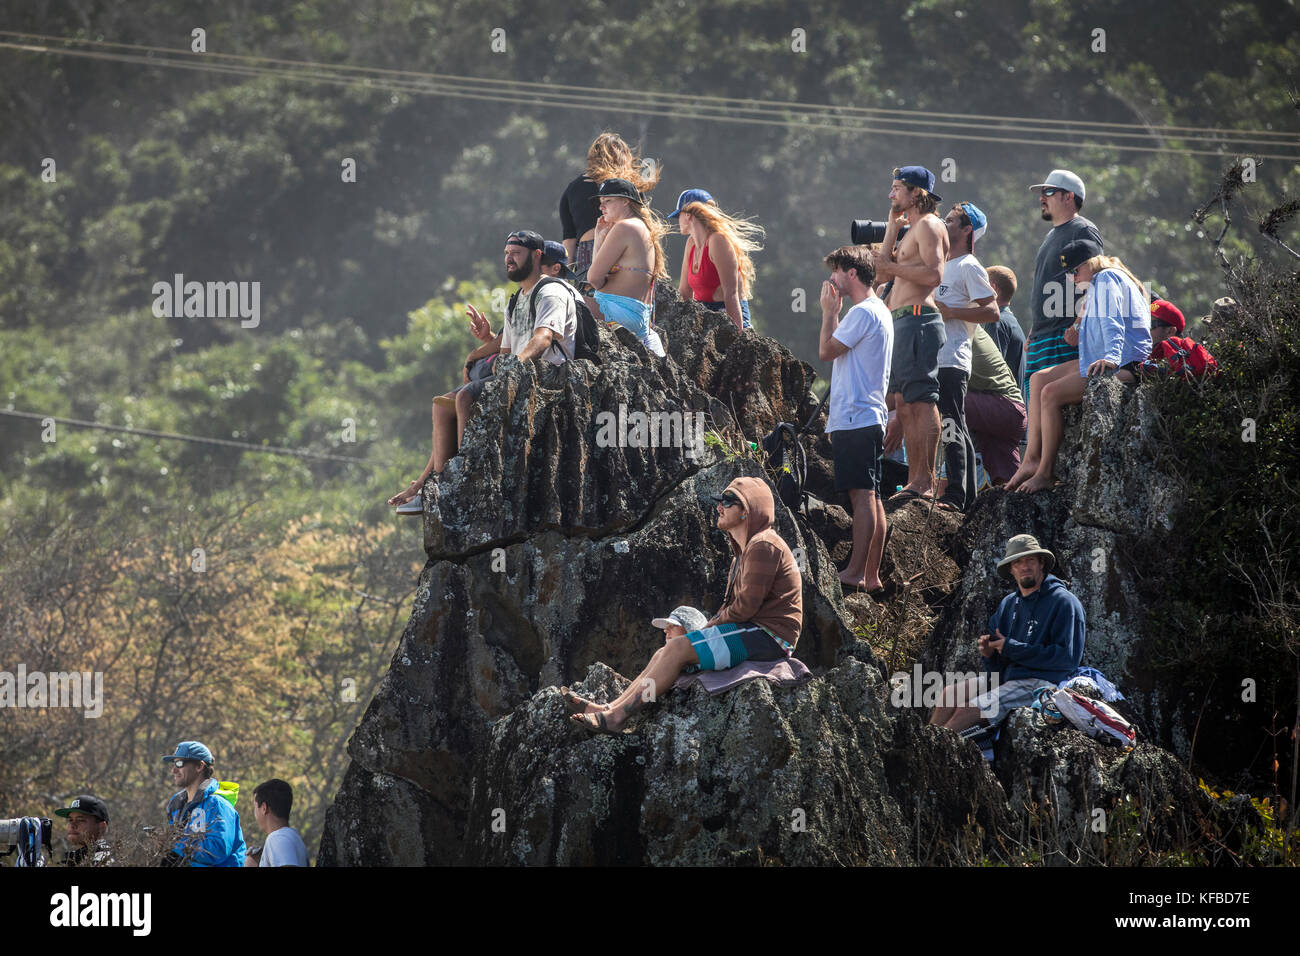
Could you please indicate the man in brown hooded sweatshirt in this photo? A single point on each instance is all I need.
(760, 618)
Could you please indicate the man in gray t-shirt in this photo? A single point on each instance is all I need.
(1052, 301)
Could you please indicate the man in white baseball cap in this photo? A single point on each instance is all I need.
(1052, 301)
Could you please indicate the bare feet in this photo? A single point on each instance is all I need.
(1038, 483)
(1027, 469)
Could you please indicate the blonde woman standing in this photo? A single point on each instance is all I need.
(717, 270)
(607, 158)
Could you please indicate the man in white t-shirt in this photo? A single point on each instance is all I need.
(272, 802)
(541, 326)
(861, 347)
(965, 298)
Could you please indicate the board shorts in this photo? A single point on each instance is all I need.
(726, 645)
(918, 337)
(997, 703)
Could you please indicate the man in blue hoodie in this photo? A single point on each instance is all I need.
(206, 822)
(1038, 634)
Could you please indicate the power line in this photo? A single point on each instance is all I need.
(699, 107)
(197, 439)
(604, 91)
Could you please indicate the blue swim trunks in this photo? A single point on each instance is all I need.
(632, 315)
(726, 645)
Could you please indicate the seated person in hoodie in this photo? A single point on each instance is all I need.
(760, 618)
(1038, 633)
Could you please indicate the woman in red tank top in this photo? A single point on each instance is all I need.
(717, 271)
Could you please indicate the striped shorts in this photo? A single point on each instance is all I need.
(1049, 351)
(729, 644)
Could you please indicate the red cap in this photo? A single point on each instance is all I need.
(1167, 312)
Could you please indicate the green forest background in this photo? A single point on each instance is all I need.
(270, 654)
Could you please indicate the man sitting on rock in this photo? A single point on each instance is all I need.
(548, 334)
(760, 618)
(1038, 640)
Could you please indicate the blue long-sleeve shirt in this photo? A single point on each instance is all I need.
(1116, 324)
(1044, 634)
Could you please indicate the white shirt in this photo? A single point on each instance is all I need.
(556, 310)
(964, 281)
(859, 376)
(284, 847)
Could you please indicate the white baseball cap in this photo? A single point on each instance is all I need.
(1063, 179)
(684, 616)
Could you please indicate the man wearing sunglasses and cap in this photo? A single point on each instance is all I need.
(760, 618)
(1037, 636)
(1053, 298)
(87, 818)
(206, 822)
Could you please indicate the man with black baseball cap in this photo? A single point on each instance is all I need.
(548, 333)
(1052, 301)
(87, 818)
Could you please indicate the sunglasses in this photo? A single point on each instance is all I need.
(530, 240)
(728, 501)
(178, 764)
(1052, 190)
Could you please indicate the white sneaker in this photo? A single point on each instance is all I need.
(413, 507)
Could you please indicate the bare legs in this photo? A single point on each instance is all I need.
(653, 682)
(921, 435)
(863, 569)
(446, 422)
(954, 711)
(1038, 383)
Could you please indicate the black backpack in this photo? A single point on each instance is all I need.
(586, 337)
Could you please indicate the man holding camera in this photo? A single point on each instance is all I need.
(916, 267)
(87, 818)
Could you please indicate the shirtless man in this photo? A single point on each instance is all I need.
(916, 268)
(626, 259)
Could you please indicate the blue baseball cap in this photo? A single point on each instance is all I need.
(688, 197)
(917, 176)
(979, 222)
(554, 252)
(190, 750)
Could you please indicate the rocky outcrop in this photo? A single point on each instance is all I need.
(552, 546)
(1108, 502)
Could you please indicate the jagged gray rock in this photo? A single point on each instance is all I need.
(814, 775)
(549, 554)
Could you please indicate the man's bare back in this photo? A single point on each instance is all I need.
(929, 231)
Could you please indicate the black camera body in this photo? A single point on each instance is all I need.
(868, 232)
